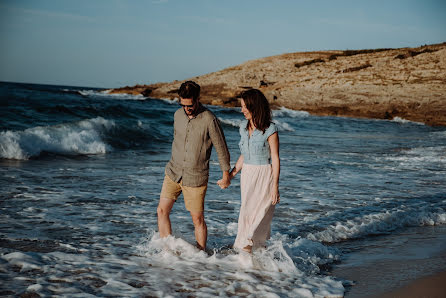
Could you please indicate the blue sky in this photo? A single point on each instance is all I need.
(113, 43)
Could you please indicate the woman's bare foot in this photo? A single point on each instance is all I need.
(248, 248)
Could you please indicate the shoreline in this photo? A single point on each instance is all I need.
(406, 261)
(431, 286)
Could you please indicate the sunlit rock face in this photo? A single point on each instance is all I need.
(408, 83)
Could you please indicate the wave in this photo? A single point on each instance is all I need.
(105, 94)
(231, 122)
(380, 223)
(420, 157)
(80, 138)
(169, 101)
(439, 134)
(404, 121)
(284, 112)
(286, 267)
(284, 126)
(281, 126)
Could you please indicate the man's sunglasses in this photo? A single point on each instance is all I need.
(187, 106)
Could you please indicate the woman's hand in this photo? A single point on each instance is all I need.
(275, 196)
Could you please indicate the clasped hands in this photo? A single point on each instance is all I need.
(224, 182)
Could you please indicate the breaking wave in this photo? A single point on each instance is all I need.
(404, 121)
(83, 137)
(380, 223)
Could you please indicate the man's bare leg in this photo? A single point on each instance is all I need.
(163, 210)
(201, 230)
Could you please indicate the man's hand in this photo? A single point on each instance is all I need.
(225, 181)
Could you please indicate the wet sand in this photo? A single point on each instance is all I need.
(392, 264)
(433, 286)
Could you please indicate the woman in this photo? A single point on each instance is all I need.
(259, 146)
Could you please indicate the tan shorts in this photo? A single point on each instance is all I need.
(193, 196)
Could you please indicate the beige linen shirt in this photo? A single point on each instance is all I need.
(192, 147)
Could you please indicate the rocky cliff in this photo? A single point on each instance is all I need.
(382, 83)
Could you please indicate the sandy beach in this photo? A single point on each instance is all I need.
(407, 83)
(409, 263)
(433, 286)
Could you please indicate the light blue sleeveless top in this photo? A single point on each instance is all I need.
(255, 149)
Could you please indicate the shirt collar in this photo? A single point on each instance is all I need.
(200, 110)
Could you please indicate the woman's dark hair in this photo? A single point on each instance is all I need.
(258, 105)
(189, 89)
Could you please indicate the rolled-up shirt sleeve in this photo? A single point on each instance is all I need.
(218, 140)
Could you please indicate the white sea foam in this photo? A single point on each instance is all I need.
(105, 94)
(231, 122)
(281, 126)
(439, 134)
(420, 157)
(284, 112)
(404, 121)
(169, 101)
(379, 223)
(270, 272)
(232, 228)
(83, 137)
(284, 126)
(35, 288)
(24, 261)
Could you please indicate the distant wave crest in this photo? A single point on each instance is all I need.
(79, 138)
(281, 125)
(405, 121)
(284, 112)
(106, 94)
(231, 122)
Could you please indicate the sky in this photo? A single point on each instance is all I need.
(114, 43)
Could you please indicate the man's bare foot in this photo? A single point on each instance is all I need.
(199, 246)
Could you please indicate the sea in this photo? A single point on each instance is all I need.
(81, 171)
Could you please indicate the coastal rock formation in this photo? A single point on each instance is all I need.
(382, 83)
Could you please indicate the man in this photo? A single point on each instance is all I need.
(196, 131)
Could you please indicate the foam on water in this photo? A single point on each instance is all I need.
(267, 272)
(404, 121)
(281, 125)
(381, 223)
(285, 112)
(105, 94)
(169, 101)
(420, 157)
(231, 122)
(83, 137)
(171, 266)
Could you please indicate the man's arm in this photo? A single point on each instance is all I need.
(218, 140)
(225, 181)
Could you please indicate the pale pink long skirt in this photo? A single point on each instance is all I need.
(256, 211)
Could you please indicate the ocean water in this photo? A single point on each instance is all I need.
(81, 172)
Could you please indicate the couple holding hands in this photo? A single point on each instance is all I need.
(196, 131)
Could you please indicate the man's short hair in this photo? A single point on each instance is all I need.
(189, 89)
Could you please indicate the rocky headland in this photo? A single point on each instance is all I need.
(409, 83)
